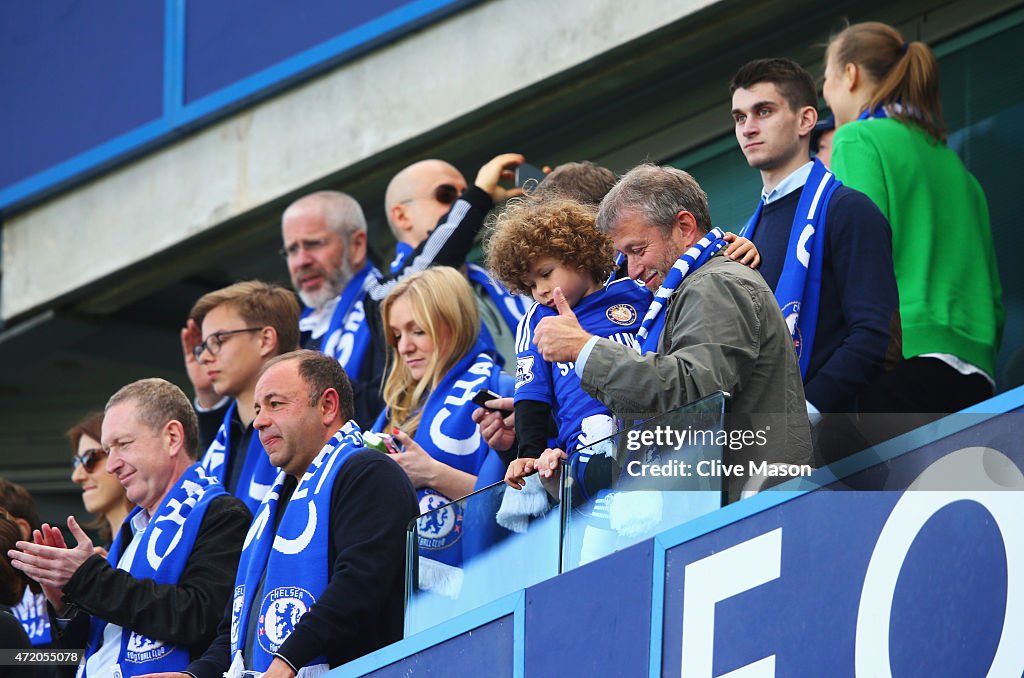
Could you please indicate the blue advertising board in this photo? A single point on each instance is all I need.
(927, 579)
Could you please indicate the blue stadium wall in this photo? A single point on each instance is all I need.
(910, 580)
(98, 83)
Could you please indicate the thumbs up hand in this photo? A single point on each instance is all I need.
(560, 338)
(562, 304)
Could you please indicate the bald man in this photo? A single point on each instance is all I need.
(416, 199)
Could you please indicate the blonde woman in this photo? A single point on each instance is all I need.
(437, 364)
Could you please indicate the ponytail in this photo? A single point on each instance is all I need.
(907, 73)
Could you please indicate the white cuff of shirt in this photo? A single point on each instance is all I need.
(581, 359)
(813, 413)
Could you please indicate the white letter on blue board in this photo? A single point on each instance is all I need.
(723, 575)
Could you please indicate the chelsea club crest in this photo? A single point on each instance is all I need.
(281, 611)
(621, 314)
(440, 521)
(143, 649)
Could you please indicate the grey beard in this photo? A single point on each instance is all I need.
(332, 288)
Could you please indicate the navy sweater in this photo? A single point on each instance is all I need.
(858, 295)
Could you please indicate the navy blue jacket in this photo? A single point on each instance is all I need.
(858, 295)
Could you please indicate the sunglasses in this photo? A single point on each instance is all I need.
(446, 194)
(88, 459)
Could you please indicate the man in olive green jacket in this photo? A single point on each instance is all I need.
(722, 328)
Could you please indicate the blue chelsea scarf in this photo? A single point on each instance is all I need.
(166, 544)
(348, 336)
(695, 257)
(293, 559)
(799, 290)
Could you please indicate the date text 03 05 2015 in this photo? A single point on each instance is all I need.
(40, 657)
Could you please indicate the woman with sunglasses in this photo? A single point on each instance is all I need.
(102, 494)
(437, 364)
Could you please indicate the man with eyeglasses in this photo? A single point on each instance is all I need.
(325, 247)
(154, 602)
(416, 198)
(242, 326)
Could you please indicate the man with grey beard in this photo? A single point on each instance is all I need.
(324, 236)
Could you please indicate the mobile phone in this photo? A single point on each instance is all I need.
(528, 174)
(485, 396)
(393, 446)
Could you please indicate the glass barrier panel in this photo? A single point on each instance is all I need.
(498, 540)
(477, 549)
(650, 477)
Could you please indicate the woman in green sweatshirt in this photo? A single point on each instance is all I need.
(890, 144)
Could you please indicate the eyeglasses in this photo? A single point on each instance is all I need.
(300, 245)
(213, 342)
(445, 194)
(88, 459)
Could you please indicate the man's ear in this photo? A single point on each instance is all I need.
(686, 228)
(330, 406)
(808, 116)
(400, 217)
(269, 343)
(357, 249)
(174, 437)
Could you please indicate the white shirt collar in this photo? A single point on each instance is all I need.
(319, 320)
(791, 183)
(140, 521)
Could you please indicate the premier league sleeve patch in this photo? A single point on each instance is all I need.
(524, 370)
(621, 314)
